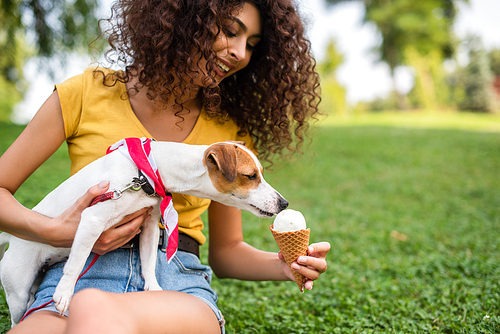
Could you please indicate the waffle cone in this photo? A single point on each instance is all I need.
(292, 245)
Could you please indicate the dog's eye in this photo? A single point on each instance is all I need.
(251, 177)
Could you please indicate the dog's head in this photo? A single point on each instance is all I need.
(236, 173)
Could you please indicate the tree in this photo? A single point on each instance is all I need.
(477, 78)
(53, 27)
(494, 56)
(425, 26)
(39, 28)
(430, 89)
(333, 93)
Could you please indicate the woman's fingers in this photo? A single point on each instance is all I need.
(132, 217)
(308, 284)
(308, 271)
(84, 201)
(122, 232)
(313, 265)
(319, 249)
(317, 264)
(66, 224)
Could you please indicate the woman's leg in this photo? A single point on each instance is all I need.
(42, 322)
(96, 311)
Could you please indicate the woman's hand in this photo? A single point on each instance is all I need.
(66, 224)
(121, 233)
(310, 266)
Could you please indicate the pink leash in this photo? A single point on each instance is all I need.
(96, 256)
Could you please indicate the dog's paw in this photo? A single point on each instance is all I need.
(61, 300)
(62, 304)
(152, 286)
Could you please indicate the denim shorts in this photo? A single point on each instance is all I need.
(120, 271)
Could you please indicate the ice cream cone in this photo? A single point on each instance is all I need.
(292, 245)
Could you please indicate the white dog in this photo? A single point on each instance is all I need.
(226, 172)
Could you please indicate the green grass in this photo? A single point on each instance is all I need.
(411, 206)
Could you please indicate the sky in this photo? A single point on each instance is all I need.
(364, 78)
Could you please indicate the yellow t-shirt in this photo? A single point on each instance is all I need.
(96, 116)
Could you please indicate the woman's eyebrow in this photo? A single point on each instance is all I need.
(244, 27)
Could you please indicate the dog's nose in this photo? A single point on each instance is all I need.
(283, 204)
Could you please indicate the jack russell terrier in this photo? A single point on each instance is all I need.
(225, 172)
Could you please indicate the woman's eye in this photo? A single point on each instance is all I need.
(251, 177)
(251, 47)
(229, 33)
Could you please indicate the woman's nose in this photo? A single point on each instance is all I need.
(237, 49)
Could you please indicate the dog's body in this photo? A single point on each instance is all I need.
(226, 172)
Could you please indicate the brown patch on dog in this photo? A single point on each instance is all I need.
(232, 169)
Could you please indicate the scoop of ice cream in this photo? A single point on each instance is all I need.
(288, 221)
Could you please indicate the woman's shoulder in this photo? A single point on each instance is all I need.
(92, 76)
(100, 76)
(94, 83)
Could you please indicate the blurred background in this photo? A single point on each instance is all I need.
(373, 55)
(403, 181)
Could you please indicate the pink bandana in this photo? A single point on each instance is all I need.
(138, 150)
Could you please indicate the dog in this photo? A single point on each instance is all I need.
(226, 172)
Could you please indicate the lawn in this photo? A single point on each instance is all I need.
(411, 206)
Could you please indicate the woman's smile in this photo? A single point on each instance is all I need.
(234, 47)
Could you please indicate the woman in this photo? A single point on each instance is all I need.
(196, 72)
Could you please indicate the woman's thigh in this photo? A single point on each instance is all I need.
(43, 322)
(95, 311)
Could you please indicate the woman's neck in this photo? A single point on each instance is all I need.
(163, 120)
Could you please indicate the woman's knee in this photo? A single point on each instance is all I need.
(92, 311)
(88, 299)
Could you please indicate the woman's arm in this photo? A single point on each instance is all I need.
(41, 138)
(230, 256)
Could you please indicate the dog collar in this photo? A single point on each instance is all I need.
(139, 151)
(145, 185)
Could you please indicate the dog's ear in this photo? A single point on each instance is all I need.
(223, 157)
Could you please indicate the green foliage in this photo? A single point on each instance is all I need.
(333, 59)
(333, 94)
(54, 27)
(431, 90)
(422, 25)
(411, 205)
(418, 34)
(391, 102)
(494, 56)
(57, 25)
(9, 96)
(13, 55)
(477, 79)
(333, 97)
(54, 171)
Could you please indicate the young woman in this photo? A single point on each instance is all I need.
(196, 72)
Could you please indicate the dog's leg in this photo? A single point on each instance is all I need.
(148, 247)
(17, 275)
(94, 221)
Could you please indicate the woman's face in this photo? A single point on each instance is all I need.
(234, 46)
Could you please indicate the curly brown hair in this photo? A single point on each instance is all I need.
(273, 98)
